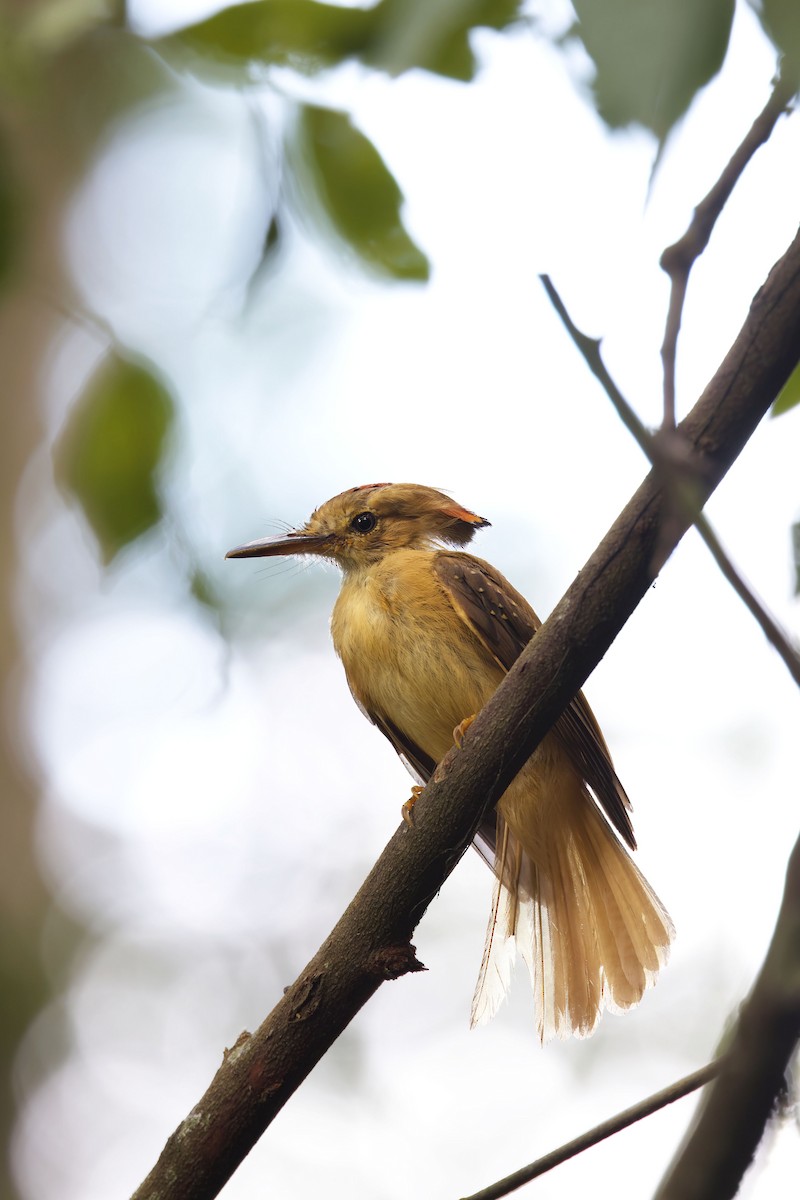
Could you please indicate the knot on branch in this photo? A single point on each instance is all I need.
(242, 1040)
(390, 962)
(307, 999)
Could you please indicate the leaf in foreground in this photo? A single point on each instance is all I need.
(110, 452)
(652, 58)
(358, 192)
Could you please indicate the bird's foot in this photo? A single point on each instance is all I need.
(408, 815)
(461, 729)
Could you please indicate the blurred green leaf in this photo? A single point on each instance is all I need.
(298, 33)
(433, 36)
(358, 192)
(780, 20)
(393, 35)
(789, 395)
(652, 57)
(112, 448)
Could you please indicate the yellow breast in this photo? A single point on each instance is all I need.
(408, 655)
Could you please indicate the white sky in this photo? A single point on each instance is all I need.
(182, 820)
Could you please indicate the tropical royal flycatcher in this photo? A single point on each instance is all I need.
(426, 634)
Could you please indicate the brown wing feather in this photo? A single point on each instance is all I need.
(505, 623)
(421, 764)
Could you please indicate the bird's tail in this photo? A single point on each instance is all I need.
(588, 925)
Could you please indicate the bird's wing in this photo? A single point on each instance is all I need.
(504, 622)
(417, 762)
(421, 766)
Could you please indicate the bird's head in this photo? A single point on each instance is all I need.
(358, 527)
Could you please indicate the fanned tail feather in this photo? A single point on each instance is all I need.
(588, 926)
(500, 948)
(634, 929)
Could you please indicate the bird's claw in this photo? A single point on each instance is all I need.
(417, 789)
(461, 729)
(408, 815)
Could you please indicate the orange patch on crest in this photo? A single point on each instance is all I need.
(463, 514)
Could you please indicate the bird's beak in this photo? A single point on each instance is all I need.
(287, 543)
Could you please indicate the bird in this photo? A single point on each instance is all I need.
(426, 633)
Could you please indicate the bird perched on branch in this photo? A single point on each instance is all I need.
(426, 634)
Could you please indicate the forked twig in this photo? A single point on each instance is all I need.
(666, 453)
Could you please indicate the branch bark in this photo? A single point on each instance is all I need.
(371, 942)
(736, 1108)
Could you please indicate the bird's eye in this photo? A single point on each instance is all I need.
(363, 522)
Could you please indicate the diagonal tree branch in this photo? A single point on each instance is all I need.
(736, 1108)
(371, 941)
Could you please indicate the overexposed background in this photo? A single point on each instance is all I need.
(211, 796)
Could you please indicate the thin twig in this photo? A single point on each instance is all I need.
(628, 1116)
(590, 349)
(771, 629)
(671, 454)
(679, 258)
